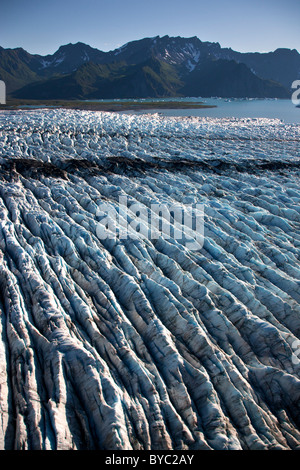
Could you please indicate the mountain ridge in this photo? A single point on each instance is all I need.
(268, 74)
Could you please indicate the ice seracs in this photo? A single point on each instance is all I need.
(142, 343)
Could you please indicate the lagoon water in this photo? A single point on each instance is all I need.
(238, 108)
(284, 110)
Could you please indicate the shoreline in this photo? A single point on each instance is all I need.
(108, 106)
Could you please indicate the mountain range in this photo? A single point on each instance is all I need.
(150, 67)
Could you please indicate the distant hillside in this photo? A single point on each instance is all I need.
(17, 68)
(226, 78)
(150, 67)
(151, 78)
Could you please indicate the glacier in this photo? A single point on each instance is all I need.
(140, 343)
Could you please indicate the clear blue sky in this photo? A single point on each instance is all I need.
(41, 26)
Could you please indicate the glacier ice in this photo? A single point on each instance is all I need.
(142, 343)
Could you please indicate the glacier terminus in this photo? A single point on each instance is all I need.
(141, 343)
